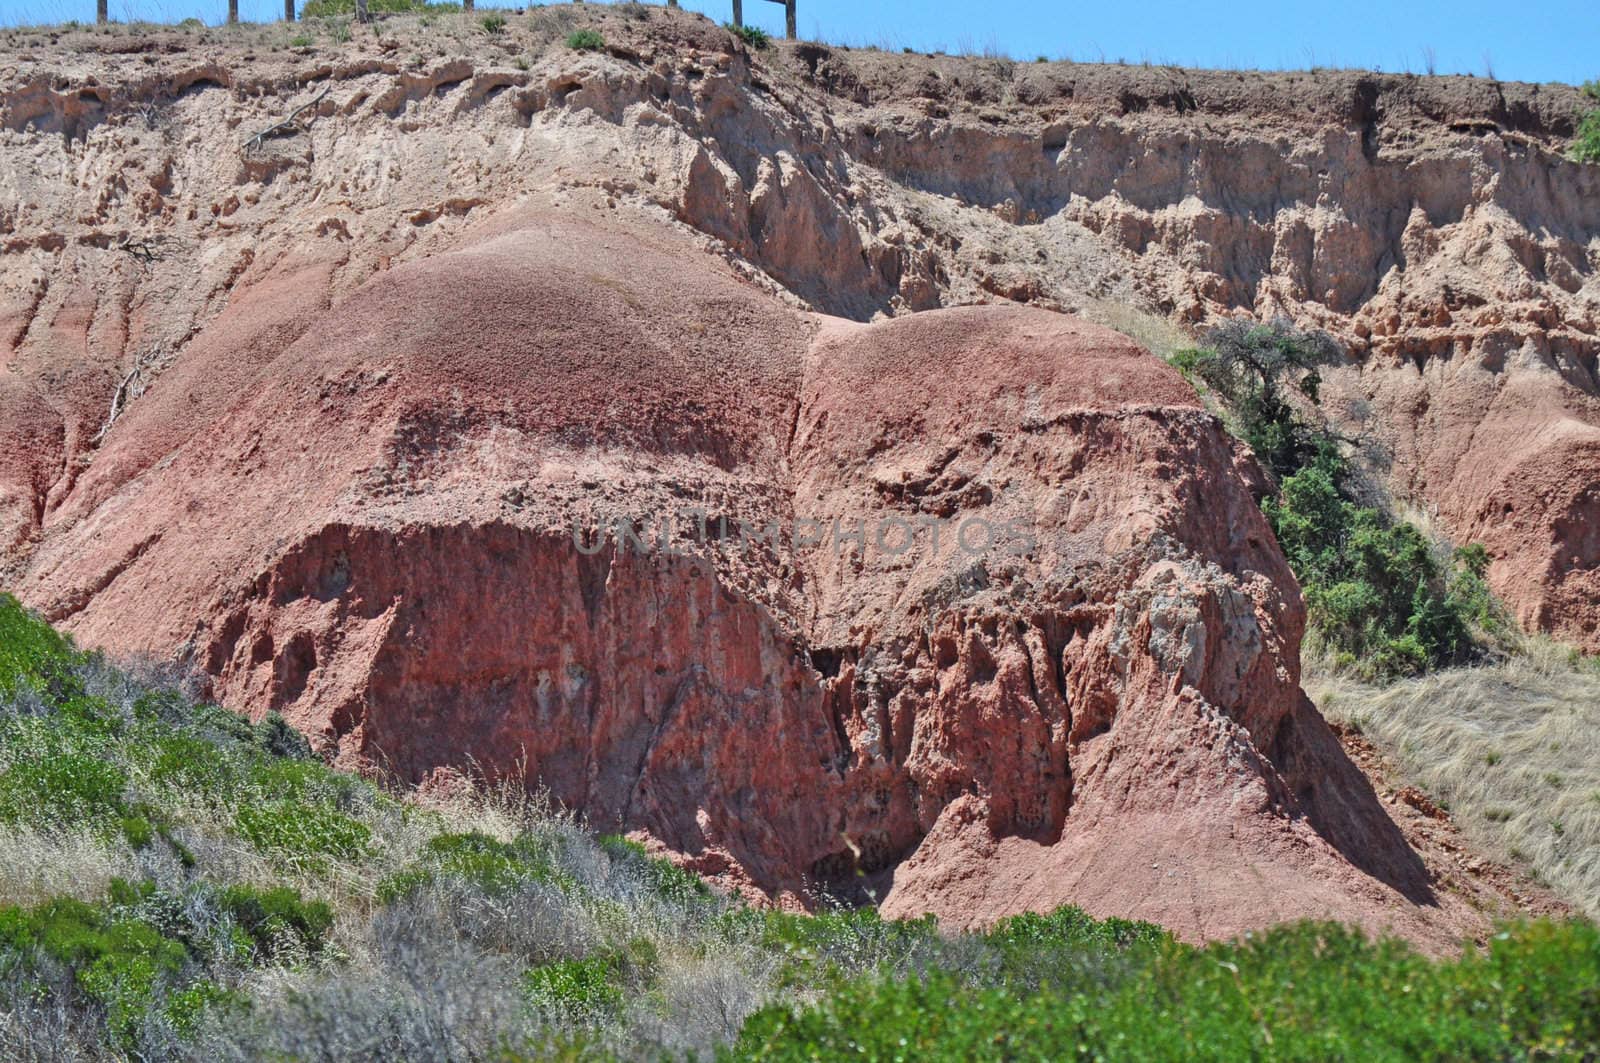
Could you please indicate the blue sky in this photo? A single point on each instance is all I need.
(1535, 40)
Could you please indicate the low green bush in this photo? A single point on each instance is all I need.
(1307, 991)
(666, 879)
(145, 952)
(33, 655)
(277, 920)
(832, 944)
(55, 784)
(585, 41)
(753, 36)
(308, 835)
(1376, 593)
(586, 989)
(1586, 141)
(490, 865)
(1374, 588)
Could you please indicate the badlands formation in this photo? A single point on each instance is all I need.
(390, 421)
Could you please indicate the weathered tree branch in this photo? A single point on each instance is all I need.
(287, 126)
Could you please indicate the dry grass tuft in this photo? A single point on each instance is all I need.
(1511, 748)
(36, 866)
(1160, 336)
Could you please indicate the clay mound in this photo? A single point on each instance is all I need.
(401, 529)
(1432, 224)
(1054, 719)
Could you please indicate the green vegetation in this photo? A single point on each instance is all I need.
(1297, 992)
(329, 8)
(1253, 366)
(1378, 593)
(585, 41)
(1374, 588)
(1586, 141)
(177, 883)
(753, 36)
(493, 23)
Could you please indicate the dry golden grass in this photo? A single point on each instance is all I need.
(1512, 749)
(36, 866)
(1160, 336)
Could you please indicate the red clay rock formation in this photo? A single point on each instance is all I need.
(1430, 223)
(385, 363)
(1094, 669)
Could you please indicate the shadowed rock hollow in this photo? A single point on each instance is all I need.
(376, 373)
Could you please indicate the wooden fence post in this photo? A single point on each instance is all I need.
(100, 15)
(788, 19)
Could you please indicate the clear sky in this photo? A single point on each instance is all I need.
(1524, 40)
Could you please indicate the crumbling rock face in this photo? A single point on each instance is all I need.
(1019, 600)
(347, 416)
(1430, 223)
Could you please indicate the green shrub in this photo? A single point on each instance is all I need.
(118, 961)
(666, 879)
(277, 921)
(186, 1008)
(1375, 593)
(1586, 141)
(58, 787)
(1374, 588)
(182, 764)
(32, 654)
(834, 943)
(493, 23)
(145, 952)
(751, 35)
(490, 865)
(1307, 991)
(585, 989)
(278, 738)
(1073, 927)
(1251, 365)
(585, 41)
(301, 834)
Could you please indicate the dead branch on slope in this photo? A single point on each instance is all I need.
(287, 127)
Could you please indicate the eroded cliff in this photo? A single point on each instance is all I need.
(319, 414)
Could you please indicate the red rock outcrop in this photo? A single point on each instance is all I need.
(368, 376)
(983, 615)
(1430, 223)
